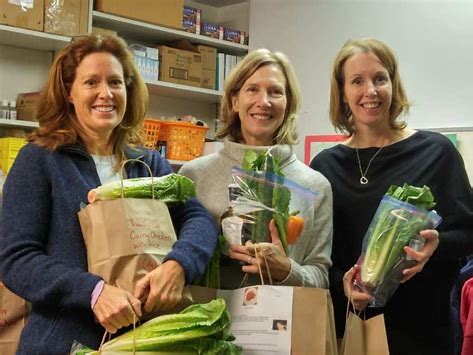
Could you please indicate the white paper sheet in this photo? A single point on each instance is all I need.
(261, 318)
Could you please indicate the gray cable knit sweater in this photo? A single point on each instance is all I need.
(310, 256)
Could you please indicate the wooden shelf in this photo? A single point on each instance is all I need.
(18, 124)
(154, 34)
(23, 38)
(192, 93)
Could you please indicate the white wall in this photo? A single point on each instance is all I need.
(432, 39)
(235, 16)
(22, 70)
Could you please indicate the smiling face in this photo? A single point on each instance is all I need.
(261, 105)
(98, 94)
(367, 90)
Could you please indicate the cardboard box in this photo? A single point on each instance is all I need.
(182, 65)
(166, 13)
(211, 30)
(67, 18)
(27, 106)
(208, 79)
(28, 15)
(191, 19)
(235, 36)
(209, 66)
(209, 56)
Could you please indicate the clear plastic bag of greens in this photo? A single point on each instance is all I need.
(396, 224)
(265, 196)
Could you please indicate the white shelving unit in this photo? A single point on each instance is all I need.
(24, 38)
(18, 124)
(145, 32)
(165, 97)
(148, 33)
(162, 88)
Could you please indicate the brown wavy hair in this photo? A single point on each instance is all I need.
(340, 114)
(287, 132)
(57, 120)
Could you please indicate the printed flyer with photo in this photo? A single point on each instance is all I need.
(261, 318)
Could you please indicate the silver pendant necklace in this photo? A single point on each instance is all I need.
(363, 178)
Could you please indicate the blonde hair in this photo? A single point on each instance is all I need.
(340, 114)
(287, 133)
(56, 115)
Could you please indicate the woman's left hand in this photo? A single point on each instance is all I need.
(358, 298)
(278, 263)
(162, 288)
(422, 256)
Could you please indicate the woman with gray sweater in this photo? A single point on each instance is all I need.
(259, 111)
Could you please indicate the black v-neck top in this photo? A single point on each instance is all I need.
(424, 158)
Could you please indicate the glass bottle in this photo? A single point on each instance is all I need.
(4, 110)
(12, 112)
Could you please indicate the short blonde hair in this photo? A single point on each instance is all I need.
(58, 125)
(287, 132)
(340, 114)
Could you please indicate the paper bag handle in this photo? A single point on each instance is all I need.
(257, 256)
(357, 313)
(122, 166)
(109, 336)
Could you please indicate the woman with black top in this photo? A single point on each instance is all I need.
(367, 101)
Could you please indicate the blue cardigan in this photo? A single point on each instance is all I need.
(42, 253)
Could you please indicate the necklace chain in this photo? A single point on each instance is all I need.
(363, 178)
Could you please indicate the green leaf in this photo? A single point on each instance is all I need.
(249, 159)
(181, 332)
(420, 197)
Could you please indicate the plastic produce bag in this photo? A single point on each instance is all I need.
(266, 196)
(395, 224)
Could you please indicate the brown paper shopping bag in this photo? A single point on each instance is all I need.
(13, 313)
(313, 326)
(126, 238)
(313, 322)
(364, 337)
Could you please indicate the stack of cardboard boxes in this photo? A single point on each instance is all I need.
(191, 20)
(179, 62)
(184, 63)
(166, 13)
(209, 66)
(67, 18)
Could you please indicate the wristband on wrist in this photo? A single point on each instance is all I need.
(96, 293)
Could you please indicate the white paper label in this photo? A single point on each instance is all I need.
(261, 318)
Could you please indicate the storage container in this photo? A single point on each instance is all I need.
(9, 148)
(151, 132)
(184, 141)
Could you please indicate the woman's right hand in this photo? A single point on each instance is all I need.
(358, 298)
(276, 259)
(116, 308)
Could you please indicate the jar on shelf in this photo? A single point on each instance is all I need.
(4, 110)
(12, 108)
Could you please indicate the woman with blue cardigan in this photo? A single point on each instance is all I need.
(90, 116)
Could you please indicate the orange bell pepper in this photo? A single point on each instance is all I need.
(295, 225)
